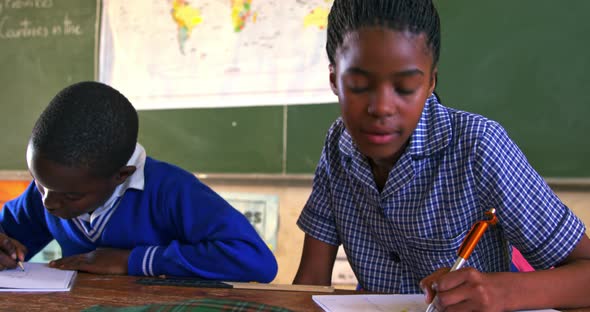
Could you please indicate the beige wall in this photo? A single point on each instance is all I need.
(292, 197)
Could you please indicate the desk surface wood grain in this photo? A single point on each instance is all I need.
(123, 291)
(120, 291)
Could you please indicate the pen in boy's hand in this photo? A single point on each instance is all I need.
(18, 262)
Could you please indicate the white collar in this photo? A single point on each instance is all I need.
(137, 179)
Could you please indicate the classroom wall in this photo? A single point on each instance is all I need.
(293, 195)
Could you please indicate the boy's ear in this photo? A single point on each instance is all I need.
(333, 85)
(124, 173)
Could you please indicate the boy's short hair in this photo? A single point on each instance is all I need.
(87, 125)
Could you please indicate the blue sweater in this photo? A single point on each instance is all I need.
(175, 226)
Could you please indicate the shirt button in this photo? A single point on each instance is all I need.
(395, 257)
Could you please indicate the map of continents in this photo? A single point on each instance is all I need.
(188, 17)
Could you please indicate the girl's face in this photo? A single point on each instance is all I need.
(382, 79)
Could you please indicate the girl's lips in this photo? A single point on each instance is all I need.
(381, 138)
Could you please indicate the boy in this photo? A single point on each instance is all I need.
(113, 210)
(401, 179)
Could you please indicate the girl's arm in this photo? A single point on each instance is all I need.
(317, 262)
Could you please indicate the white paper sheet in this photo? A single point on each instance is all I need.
(380, 303)
(36, 277)
(392, 303)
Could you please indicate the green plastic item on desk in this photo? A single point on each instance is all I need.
(196, 305)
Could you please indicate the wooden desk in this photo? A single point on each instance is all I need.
(119, 291)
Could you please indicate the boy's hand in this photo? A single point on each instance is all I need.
(11, 251)
(99, 261)
(463, 290)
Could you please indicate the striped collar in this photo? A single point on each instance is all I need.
(433, 132)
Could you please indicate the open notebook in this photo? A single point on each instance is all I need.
(36, 277)
(359, 303)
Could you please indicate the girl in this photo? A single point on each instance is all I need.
(402, 178)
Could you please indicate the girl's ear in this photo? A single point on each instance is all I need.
(433, 79)
(333, 84)
(124, 173)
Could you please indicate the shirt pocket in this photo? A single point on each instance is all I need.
(430, 254)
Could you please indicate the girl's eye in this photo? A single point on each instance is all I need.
(405, 91)
(357, 89)
(356, 83)
(408, 85)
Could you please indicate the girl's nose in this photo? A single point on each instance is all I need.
(382, 103)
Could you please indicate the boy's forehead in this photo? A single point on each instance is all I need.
(57, 176)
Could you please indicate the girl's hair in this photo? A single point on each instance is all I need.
(415, 16)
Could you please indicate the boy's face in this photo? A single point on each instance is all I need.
(68, 192)
(382, 79)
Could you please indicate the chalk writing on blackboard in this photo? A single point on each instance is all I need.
(17, 22)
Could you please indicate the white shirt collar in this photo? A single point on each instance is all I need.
(137, 179)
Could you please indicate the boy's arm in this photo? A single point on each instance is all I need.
(565, 286)
(208, 238)
(23, 220)
(317, 262)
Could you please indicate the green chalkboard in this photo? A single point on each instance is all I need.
(523, 63)
(44, 46)
(239, 140)
(228, 140)
(306, 132)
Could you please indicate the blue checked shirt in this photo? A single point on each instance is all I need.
(457, 165)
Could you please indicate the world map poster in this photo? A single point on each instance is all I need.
(165, 54)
